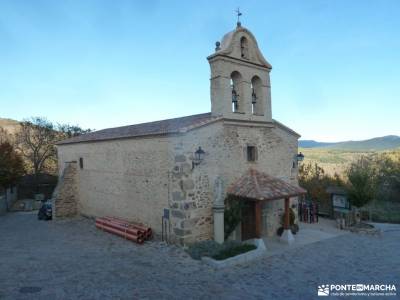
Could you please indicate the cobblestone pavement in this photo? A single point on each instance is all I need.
(73, 260)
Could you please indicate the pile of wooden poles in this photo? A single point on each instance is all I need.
(129, 230)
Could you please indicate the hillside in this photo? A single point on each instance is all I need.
(11, 126)
(312, 144)
(388, 142)
(336, 160)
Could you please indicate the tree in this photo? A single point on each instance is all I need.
(68, 131)
(362, 181)
(388, 176)
(36, 140)
(11, 165)
(312, 177)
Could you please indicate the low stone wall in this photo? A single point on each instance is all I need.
(65, 197)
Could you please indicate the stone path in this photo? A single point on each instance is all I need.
(73, 260)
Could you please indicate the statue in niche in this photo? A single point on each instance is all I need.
(218, 191)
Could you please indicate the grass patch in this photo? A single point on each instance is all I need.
(203, 248)
(382, 212)
(230, 252)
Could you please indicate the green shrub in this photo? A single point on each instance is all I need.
(232, 214)
(233, 251)
(294, 228)
(218, 251)
(203, 248)
(279, 231)
(292, 217)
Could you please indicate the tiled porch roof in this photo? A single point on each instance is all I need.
(260, 186)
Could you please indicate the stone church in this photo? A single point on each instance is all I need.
(179, 171)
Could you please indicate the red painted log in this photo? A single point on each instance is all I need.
(120, 233)
(119, 227)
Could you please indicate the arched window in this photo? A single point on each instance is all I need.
(244, 48)
(236, 80)
(257, 98)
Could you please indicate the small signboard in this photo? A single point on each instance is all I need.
(340, 203)
(166, 213)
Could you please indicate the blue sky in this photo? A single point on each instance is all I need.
(107, 63)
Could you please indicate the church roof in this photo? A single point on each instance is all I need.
(261, 186)
(169, 126)
(163, 127)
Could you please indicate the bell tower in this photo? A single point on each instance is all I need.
(240, 83)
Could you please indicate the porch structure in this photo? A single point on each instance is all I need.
(255, 187)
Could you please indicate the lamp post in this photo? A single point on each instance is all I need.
(198, 157)
(300, 157)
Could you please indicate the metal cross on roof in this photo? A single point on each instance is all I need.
(238, 13)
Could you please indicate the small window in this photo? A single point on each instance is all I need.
(251, 153)
(81, 162)
(244, 48)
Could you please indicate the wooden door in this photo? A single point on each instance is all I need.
(248, 221)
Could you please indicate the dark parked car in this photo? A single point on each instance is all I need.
(45, 212)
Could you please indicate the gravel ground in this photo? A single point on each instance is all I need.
(71, 259)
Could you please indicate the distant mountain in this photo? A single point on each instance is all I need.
(379, 143)
(312, 144)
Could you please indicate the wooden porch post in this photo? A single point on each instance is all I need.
(258, 219)
(287, 215)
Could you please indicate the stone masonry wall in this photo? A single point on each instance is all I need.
(138, 178)
(191, 214)
(123, 178)
(66, 196)
(225, 146)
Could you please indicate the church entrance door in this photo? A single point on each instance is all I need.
(248, 220)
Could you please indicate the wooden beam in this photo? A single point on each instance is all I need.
(258, 219)
(287, 215)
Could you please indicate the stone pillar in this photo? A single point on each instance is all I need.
(287, 215)
(219, 233)
(267, 98)
(221, 95)
(218, 211)
(246, 98)
(287, 236)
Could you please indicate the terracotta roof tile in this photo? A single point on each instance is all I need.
(168, 126)
(260, 186)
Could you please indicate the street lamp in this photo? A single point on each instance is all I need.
(198, 157)
(300, 157)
